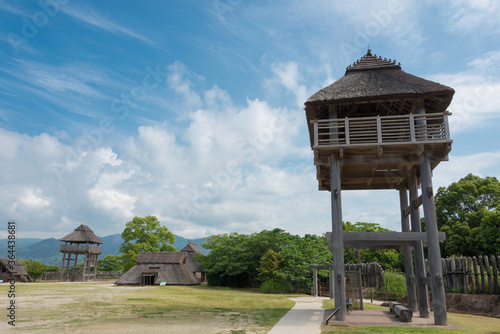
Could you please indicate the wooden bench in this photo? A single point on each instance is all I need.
(400, 311)
(391, 306)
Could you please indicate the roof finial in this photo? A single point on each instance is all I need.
(369, 52)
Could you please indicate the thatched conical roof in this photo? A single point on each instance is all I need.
(190, 250)
(82, 234)
(192, 247)
(372, 78)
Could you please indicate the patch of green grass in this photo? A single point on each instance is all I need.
(142, 299)
(98, 303)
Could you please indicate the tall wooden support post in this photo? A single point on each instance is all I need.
(315, 282)
(338, 240)
(436, 270)
(418, 249)
(331, 277)
(85, 267)
(405, 227)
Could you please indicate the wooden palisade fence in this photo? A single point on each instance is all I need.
(479, 275)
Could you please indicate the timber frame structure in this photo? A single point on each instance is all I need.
(82, 241)
(381, 128)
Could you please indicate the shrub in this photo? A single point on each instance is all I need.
(276, 286)
(34, 269)
(394, 285)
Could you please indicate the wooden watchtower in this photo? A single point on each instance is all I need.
(82, 241)
(378, 127)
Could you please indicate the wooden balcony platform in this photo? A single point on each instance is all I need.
(378, 152)
(80, 249)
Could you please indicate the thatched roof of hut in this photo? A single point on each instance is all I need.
(82, 234)
(19, 269)
(374, 78)
(162, 257)
(191, 249)
(169, 267)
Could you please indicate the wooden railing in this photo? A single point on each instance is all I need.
(81, 248)
(381, 130)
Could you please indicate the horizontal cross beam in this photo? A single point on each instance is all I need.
(381, 240)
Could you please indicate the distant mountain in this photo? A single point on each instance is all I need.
(47, 252)
(20, 243)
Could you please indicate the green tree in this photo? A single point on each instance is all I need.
(466, 206)
(269, 264)
(55, 269)
(236, 260)
(300, 252)
(485, 239)
(229, 262)
(110, 263)
(35, 269)
(144, 235)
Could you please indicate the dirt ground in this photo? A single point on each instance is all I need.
(485, 305)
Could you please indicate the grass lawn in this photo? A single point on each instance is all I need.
(466, 323)
(106, 308)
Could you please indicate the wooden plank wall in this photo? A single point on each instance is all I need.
(372, 274)
(479, 275)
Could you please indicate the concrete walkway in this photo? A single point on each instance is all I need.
(304, 318)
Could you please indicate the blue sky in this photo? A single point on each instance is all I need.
(193, 110)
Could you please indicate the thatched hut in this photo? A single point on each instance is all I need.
(191, 249)
(157, 267)
(18, 271)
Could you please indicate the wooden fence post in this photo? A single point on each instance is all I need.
(488, 274)
(481, 270)
(495, 274)
(476, 275)
(470, 274)
(464, 274)
(453, 276)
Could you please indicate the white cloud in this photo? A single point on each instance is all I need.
(92, 17)
(482, 164)
(33, 200)
(287, 75)
(477, 89)
(178, 80)
(470, 15)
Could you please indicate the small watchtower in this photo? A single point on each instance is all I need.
(378, 127)
(82, 241)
